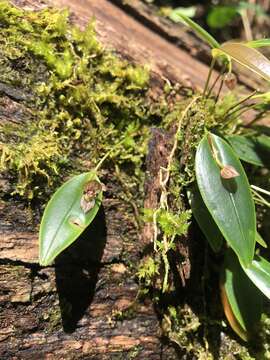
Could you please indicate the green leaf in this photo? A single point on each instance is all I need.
(229, 201)
(258, 43)
(252, 149)
(244, 298)
(220, 16)
(248, 57)
(205, 220)
(260, 240)
(66, 217)
(204, 35)
(259, 274)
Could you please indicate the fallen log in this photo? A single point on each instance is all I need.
(86, 306)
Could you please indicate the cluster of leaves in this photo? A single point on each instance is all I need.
(224, 206)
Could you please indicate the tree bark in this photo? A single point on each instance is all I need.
(85, 306)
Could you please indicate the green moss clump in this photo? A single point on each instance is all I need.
(83, 99)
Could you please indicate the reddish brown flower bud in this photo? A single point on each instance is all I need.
(230, 81)
(228, 172)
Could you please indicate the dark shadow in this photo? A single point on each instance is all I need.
(262, 150)
(200, 293)
(203, 295)
(230, 185)
(262, 129)
(77, 271)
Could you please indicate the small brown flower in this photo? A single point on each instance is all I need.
(90, 193)
(230, 81)
(228, 172)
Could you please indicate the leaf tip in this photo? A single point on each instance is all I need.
(234, 323)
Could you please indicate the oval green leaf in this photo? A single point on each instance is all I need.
(248, 57)
(259, 274)
(252, 149)
(64, 218)
(229, 201)
(205, 220)
(243, 296)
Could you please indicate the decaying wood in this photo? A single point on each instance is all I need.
(85, 306)
(138, 43)
(184, 38)
(159, 148)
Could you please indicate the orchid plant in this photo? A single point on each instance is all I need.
(222, 200)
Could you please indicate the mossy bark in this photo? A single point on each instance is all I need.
(87, 305)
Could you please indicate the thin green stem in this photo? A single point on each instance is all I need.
(263, 191)
(256, 118)
(209, 76)
(244, 109)
(242, 101)
(215, 81)
(259, 198)
(108, 153)
(219, 90)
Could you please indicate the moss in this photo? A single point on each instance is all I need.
(53, 319)
(80, 101)
(83, 99)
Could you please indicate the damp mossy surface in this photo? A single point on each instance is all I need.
(77, 100)
(81, 99)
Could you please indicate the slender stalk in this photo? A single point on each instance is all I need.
(209, 76)
(219, 90)
(263, 191)
(256, 118)
(246, 24)
(244, 109)
(240, 108)
(260, 199)
(242, 100)
(216, 80)
(163, 182)
(107, 154)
